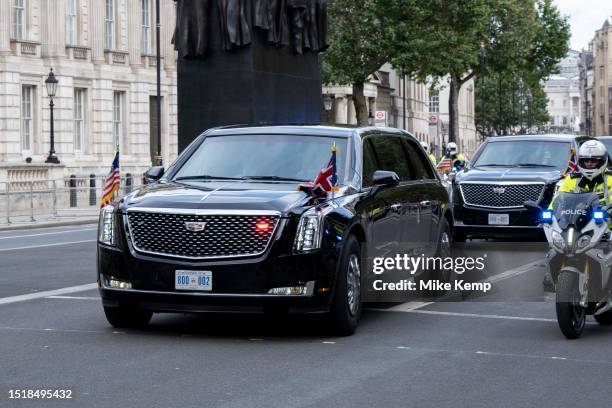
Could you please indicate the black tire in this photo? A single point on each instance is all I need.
(127, 318)
(346, 305)
(459, 237)
(570, 315)
(604, 319)
(443, 250)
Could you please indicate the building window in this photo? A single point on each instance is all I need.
(27, 117)
(146, 27)
(434, 101)
(118, 118)
(19, 13)
(79, 119)
(565, 103)
(552, 103)
(71, 21)
(110, 24)
(565, 120)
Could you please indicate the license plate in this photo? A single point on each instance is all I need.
(499, 219)
(193, 280)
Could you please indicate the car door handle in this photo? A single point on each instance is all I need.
(425, 203)
(396, 207)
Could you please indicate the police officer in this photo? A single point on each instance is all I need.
(425, 146)
(592, 177)
(456, 158)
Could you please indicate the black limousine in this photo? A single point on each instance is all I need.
(506, 171)
(225, 227)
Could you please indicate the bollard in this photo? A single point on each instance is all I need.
(54, 199)
(32, 201)
(8, 203)
(73, 192)
(92, 189)
(129, 181)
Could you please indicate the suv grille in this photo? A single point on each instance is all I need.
(500, 195)
(222, 235)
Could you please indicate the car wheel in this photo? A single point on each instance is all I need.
(459, 237)
(346, 304)
(127, 318)
(443, 250)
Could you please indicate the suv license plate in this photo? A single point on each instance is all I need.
(499, 219)
(193, 280)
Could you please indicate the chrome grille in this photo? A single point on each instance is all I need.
(500, 195)
(223, 235)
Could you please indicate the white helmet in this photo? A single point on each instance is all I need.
(451, 147)
(589, 151)
(425, 146)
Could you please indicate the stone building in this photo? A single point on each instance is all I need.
(102, 53)
(564, 95)
(426, 113)
(602, 80)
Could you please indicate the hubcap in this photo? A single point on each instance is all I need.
(353, 284)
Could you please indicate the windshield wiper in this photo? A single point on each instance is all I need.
(275, 178)
(534, 165)
(207, 177)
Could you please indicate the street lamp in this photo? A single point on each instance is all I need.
(328, 101)
(51, 83)
(370, 118)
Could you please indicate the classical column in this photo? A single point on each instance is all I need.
(134, 20)
(96, 29)
(168, 12)
(53, 27)
(341, 110)
(5, 27)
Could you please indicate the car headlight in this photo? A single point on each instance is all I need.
(309, 231)
(106, 226)
(558, 240)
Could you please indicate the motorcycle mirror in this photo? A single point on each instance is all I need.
(531, 204)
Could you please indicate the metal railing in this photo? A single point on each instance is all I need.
(73, 196)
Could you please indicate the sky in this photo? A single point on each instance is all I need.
(585, 16)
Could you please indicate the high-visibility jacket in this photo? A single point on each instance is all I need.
(432, 158)
(453, 158)
(578, 184)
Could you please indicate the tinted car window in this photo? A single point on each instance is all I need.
(527, 153)
(420, 163)
(391, 157)
(369, 163)
(289, 156)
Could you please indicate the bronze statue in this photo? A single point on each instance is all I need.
(302, 24)
(192, 25)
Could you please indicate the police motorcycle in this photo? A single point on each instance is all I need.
(579, 259)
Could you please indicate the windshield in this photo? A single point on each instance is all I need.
(283, 158)
(525, 153)
(574, 208)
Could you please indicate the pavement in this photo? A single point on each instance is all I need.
(63, 218)
(485, 351)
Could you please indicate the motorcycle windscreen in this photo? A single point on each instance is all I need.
(574, 209)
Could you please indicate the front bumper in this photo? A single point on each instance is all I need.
(474, 222)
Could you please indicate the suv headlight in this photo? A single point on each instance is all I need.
(106, 226)
(309, 231)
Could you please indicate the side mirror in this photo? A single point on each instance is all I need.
(154, 174)
(531, 204)
(385, 178)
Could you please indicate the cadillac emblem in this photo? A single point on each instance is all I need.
(499, 190)
(195, 226)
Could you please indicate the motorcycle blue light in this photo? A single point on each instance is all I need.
(599, 216)
(547, 216)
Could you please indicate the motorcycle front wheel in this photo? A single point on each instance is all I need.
(570, 315)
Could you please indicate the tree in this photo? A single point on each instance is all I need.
(509, 105)
(524, 36)
(363, 37)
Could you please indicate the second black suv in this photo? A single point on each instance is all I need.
(505, 172)
(225, 229)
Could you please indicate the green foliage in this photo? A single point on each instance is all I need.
(509, 105)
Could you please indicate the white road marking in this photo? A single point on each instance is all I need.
(74, 297)
(408, 306)
(47, 293)
(46, 245)
(488, 316)
(48, 233)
